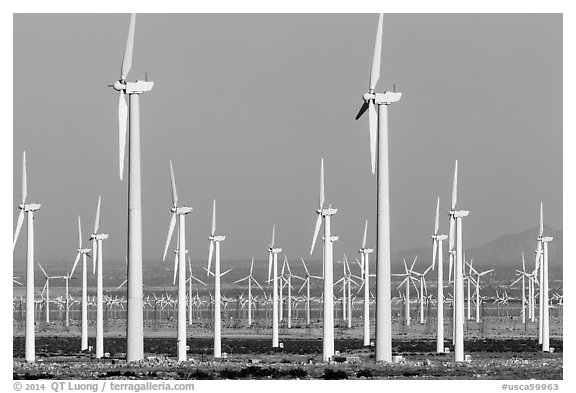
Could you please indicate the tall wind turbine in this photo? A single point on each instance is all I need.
(377, 106)
(29, 209)
(97, 239)
(365, 266)
(129, 118)
(328, 343)
(457, 216)
(250, 279)
(273, 266)
(544, 305)
(437, 250)
(82, 252)
(215, 243)
(181, 213)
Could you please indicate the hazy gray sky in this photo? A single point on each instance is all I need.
(245, 105)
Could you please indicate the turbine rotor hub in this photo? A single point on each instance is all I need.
(119, 85)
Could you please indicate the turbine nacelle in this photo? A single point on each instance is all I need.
(181, 210)
(133, 87)
(461, 213)
(365, 250)
(99, 236)
(439, 237)
(386, 98)
(327, 212)
(217, 238)
(30, 207)
(546, 239)
(275, 250)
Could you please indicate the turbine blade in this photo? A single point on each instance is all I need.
(451, 234)
(363, 109)
(18, 226)
(375, 73)
(437, 220)
(455, 186)
(413, 263)
(523, 264)
(273, 233)
(269, 265)
(541, 219)
(127, 60)
(210, 253)
(365, 232)
(43, 271)
(434, 251)
(170, 231)
(175, 267)
(24, 179)
(251, 266)
(122, 128)
(97, 220)
(316, 230)
(75, 263)
(305, 268)
(321, 183)
(79, 233)
(214, 217)
(174, 192)
(94, 255)
(451, 263)
(373, 124)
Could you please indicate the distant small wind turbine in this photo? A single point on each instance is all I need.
(408, 279)
(328, 342)
(189, 280)
(307, 284)
(47, 290)
(273, 266)
(82, 252)
(215, 241)
(250, 279)
(97, 239)
(437, 250)
(181, 264)
(365, 268)
(29, 209)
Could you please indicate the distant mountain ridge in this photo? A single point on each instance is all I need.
(505, 251)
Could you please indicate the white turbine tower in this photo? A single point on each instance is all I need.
(129, 117)
(456, 216)
(97, 239)
(328, 343)
(544, 304)
(29, 209)
(377, 106)
(181, 264)
(437, 250)
(250, 279)
(82, 252)
(273, 266)
(365, 266)
(215, 243)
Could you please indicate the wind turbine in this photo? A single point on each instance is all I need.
(456, 218)
(97, 239)
(477, 284)
(250, 279)
(29, 209)
(129, 118)
(181, 264)
(289, 284)
(437, 250)
(215, 241)
(273, 262)
(47, 289)
(189, 280)
(423, 290)
(523, 275)
(377, 106)
(408, 278)
(365, 267)
(328, 343)
(82, 252)
(307, 284)
(544, 304)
